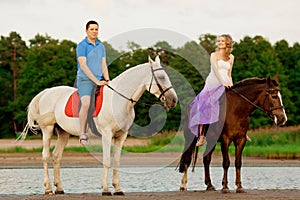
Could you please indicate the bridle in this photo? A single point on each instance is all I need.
(270, 109)
(162, 91)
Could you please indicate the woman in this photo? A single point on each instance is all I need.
(204, 109)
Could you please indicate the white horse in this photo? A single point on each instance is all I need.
(46, 111)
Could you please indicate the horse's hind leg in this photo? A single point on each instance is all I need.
(62, 140)
(118, 144)
(184, 179)
(47, 134)
(185, 162)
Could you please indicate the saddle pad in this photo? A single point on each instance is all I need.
(71, 109)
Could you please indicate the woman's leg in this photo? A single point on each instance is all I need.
(201, 139)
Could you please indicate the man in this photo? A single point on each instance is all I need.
(92, 71)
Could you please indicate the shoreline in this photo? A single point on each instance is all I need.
(175, 195)
(128, 159)
(154, 159)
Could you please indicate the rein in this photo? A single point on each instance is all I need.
(157, 83)
(268, 112)
(129, 99)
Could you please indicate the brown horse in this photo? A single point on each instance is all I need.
(241, 100)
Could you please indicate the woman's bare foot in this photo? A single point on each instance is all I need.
(248, 138)
(201, 141)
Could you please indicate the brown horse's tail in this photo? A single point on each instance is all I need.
(190, 148)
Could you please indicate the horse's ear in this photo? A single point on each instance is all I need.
(157, 60)
(268, 80)
(276, 78)
(150, 60)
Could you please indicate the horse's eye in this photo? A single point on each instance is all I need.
(274, 96)
(161, 77)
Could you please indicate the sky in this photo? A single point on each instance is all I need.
(172, 20)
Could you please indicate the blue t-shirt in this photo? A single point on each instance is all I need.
(93, 54)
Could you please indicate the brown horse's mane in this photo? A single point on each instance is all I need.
(249, 81)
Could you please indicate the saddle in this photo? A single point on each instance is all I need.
(73, 103)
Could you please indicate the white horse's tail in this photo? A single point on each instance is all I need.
(33, 113)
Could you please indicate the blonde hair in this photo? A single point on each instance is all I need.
(229, 44)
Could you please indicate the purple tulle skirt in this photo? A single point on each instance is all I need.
(204, 109)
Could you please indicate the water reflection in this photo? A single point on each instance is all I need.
(88, 180)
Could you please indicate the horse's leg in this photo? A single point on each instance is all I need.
(185, 162)
(206, 163)
(47, 134)
(226, 164)
(62, 140)
(186, 157)
(239, 146)
(106, 144)
(118, 143)
(184, 179)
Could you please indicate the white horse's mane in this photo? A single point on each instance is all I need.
(124, 73)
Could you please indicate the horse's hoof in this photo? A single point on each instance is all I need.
(59, 192)
(119, 193)
(183, 189)
(210, 188)
(106, 194)
(225, 191)
(240, 190)
(48, 192)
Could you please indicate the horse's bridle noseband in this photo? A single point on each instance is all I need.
(162, 91)
(268, 91)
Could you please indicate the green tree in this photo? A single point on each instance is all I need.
(12, 50)
(111, 53)
(49, 63)
(197, 57)
(256, 57)
(290, 60)
(133, 46)
(113, 61)
(163, 45)
(208, 42)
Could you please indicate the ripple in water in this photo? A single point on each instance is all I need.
(146, 179)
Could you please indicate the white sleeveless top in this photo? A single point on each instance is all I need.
(223, 67)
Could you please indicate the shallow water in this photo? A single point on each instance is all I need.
(144, 179)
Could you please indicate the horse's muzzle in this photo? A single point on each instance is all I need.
(280, 119)
(170, 101)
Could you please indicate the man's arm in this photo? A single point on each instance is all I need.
(105, 69)
(88, 72)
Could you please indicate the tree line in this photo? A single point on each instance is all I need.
(27, 69)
